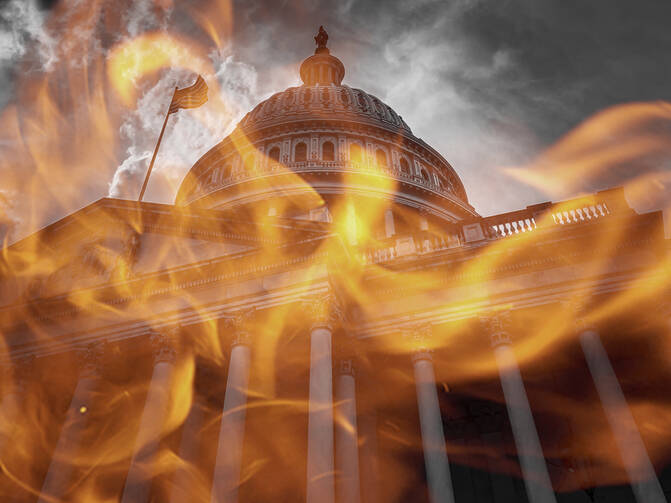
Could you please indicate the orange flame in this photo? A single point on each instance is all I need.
(49, 278)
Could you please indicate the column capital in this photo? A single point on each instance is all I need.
(323, 311)
(421, 335)
(575, 305)
(90, 358)
(240, 324)
(164, 345)
(346, 353)
(497, 326)
(346, 366)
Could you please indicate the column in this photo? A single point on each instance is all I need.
(529, 452)
(389, 227)
(436, 463)
(232, 429)
(189, 450)
(644, 482)
(138, 481)
(369, 468)
(346, 434)
(320, 463)
(60, 472)
(13, 387)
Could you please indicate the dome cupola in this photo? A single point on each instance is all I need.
(323, 143)
(322, 68)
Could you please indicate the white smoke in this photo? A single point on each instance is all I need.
(21, 30)
(189, 133)
(22, 33)
(142, 17)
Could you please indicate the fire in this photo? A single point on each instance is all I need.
(145, 55)
(66, 127)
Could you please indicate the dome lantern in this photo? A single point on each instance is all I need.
(322, 68)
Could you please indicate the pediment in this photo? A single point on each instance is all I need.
(114, 240)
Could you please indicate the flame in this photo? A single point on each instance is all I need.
(65, 127)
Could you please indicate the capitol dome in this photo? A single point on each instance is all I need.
(340, 141)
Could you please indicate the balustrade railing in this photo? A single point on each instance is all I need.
(417, 244)
(546, 216)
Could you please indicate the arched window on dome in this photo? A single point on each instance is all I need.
(274, 154)
(405, 167)
(381, 158)
(328, 151)
(301, 152)
(356, 153)
(344, 97)
(361, 100)
(227, 172)
(425, 175)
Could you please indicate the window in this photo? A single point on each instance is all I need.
(425, 175)
(344, 97)
(301, 152)
(328, 151)
(405, 167)
(355, 153)
(362, 100)
(381, 157)
(227, 171)
(274, 154)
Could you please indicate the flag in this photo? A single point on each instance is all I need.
(189, 97)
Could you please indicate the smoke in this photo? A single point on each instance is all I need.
(489, 85)
(433, 88)
(189, 133)
(22, 34)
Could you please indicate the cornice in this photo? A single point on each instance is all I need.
(473, 308)
(456, 257)
(206, 279)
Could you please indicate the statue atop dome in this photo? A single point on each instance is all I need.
(321, 39)
(322, 68)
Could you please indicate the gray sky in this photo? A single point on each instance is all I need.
(489, 84)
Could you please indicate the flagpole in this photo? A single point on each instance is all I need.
(158, 144)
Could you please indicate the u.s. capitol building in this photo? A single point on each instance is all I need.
(322, 316)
